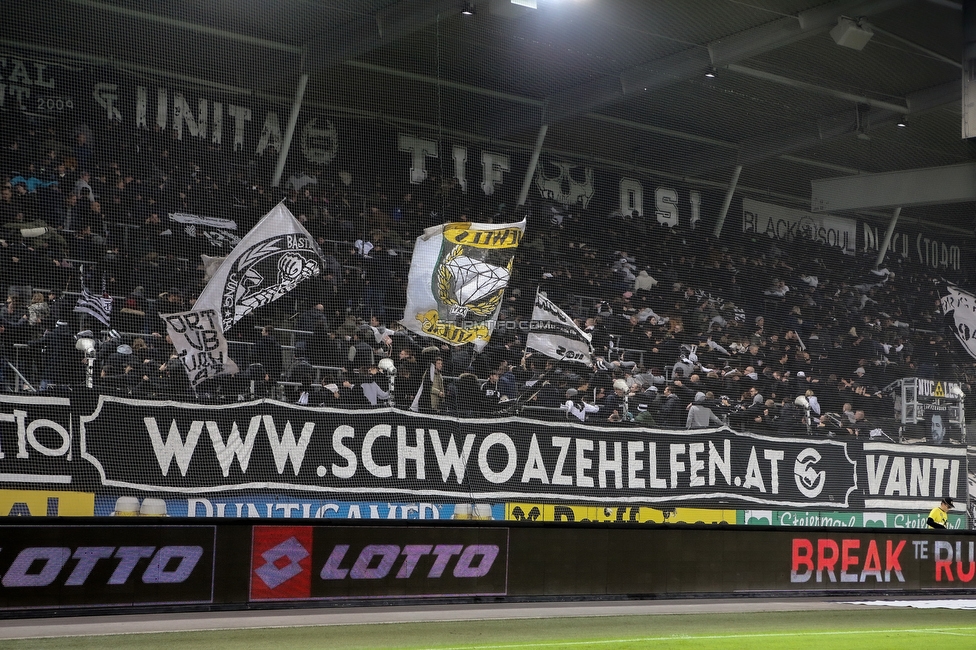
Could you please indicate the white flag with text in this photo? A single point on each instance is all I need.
(553, 333)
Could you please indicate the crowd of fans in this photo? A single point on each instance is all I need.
(688, 330)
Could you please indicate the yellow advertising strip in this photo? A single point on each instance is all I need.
(615, 514)
(42, 503)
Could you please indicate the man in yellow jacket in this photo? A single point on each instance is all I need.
(939, 517)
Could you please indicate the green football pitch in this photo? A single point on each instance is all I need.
(858, 627)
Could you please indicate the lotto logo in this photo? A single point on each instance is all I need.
(313, 563)
(281, 562)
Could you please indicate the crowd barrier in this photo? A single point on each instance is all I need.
(124, 564)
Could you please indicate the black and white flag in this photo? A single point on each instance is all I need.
(271, 260)
(553, 333)
(98, 306)
(959, 308)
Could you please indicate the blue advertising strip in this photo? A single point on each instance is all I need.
(291, 506)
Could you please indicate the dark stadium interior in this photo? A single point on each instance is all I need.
(636, 298)
(781, 99)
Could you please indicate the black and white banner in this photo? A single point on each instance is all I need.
(200, 344)
(959, 308)
(787, 224)
(190, 449)
(268, 445)
(553, 333)
(271, 260)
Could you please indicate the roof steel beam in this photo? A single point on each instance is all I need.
(190, 27)
(698, 60)
(368, 33)
(928, 186)
(842, 124)
(813, 88)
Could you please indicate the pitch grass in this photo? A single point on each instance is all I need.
(861, 628)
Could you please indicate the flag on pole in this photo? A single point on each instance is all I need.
(98, 306)
(553, 333)
(271, 260)
(457, 280)
(959, 308)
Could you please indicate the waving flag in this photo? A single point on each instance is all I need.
(553, 333)
(458, 277)
(959, 308)
(99, 306)
(271, 260)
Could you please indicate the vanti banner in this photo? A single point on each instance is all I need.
(787, 224)
(458, 276)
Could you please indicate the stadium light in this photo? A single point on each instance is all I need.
(854, 34)
(469, 9)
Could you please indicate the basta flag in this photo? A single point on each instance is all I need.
(269, 261)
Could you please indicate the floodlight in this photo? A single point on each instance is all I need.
(851, 33)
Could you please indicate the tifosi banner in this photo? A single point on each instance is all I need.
(458, 275)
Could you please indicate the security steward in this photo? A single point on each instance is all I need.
(939, 516)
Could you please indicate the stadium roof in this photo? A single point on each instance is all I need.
(621, 81)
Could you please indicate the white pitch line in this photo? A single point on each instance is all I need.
(710, 637)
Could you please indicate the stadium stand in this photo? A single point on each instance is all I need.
(744, 326)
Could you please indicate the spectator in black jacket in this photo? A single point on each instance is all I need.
(267, 352)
